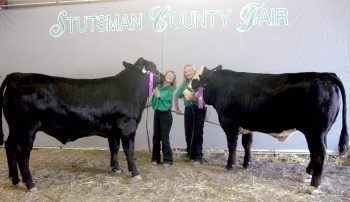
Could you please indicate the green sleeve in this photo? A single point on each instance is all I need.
(180, 90)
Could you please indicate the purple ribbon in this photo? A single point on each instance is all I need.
(200, 97)
(150, 84)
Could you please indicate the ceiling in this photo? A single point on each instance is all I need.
(12, 4)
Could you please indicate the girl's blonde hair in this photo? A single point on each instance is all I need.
(173, 84)
(185, 78)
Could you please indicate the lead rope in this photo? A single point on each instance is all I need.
(150, 91)
(148, 141)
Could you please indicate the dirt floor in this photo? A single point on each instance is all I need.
(84, 175)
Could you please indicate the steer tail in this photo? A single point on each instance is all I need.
(2, 88)
(7, 81)
(343, 145)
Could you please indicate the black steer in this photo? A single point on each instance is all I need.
(68, 109)
(273, 103)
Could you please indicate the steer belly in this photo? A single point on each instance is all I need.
(278, 103)
(70, 128)
(282, 137)
(51, 108)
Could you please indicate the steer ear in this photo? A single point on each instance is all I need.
(127, 65)
(140, 62)
(217, 68)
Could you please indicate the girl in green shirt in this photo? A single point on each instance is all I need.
(161, 102)
(193, 118)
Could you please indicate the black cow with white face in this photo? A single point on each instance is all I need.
(275, 104)
(68, 109)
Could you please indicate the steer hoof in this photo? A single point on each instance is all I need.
(20, 184)
(229, 167)
(137, 178)
(33, 189)
(246, 165)
(313, 190)
(305, 178)
(116, 170)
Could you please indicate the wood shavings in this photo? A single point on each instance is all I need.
(84, 175)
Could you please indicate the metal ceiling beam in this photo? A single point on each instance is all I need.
(15, 4)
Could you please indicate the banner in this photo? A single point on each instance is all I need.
(92, 40)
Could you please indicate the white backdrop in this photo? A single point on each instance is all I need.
(91, 41)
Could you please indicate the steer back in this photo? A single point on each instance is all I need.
(274, 103)
(68, 109)
(271, 103)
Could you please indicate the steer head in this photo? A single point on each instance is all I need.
(201, 78)
(147, 67)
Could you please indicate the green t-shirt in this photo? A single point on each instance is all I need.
(165, 101)
(179, 94)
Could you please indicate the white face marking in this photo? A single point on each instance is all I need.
(188, 94)
(199, 72)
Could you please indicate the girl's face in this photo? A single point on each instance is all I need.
(169, 77)
(189, 72)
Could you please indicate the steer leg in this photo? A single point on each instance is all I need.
(232, 148)
(128, 130)
(23, 156)
(317, 157)
(128, 147)
(114, 144)
(11, 147)
(317, 149)
(231, 132)
(247, 141)
(23, 163)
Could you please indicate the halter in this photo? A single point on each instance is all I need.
(150, 84)
(150, 80)
(200, 97)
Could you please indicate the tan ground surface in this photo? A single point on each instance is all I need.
(84, 175)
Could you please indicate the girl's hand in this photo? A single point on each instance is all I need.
(178, 112)
(193, 98)
(156, 92)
